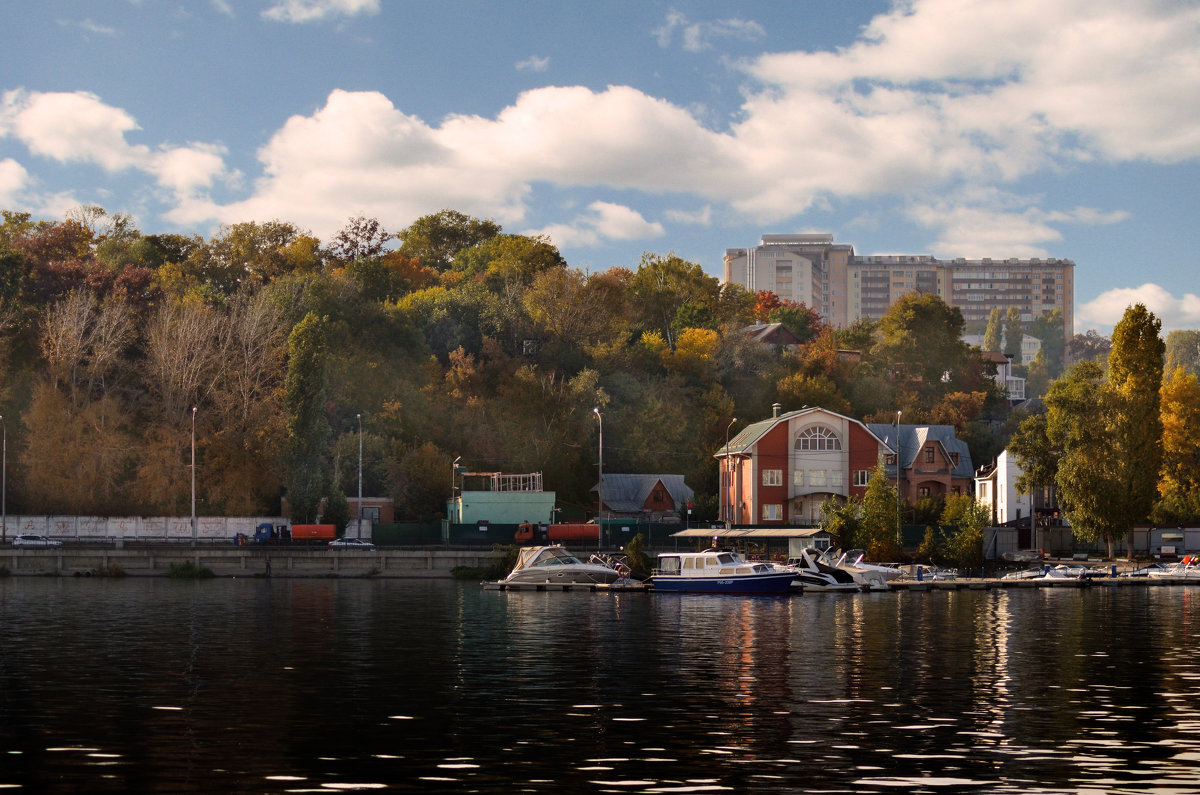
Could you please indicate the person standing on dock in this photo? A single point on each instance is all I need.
(268, 566)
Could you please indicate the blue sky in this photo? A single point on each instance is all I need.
(958, 128)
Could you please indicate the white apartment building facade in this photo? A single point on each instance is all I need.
(845, 288)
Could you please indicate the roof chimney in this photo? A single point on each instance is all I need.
(775, 407)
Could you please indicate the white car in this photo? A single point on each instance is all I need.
(351, 543)
(34, 540)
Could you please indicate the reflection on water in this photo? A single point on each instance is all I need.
(320, 685)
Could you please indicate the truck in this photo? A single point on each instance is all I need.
(529, 533)
(267, 533)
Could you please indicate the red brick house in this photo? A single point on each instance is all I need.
(780, 470)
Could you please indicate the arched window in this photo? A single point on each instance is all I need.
(817, 438)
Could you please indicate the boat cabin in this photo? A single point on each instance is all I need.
(713, 562)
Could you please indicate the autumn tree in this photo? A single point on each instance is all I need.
(964, 545)
(1183, 350)
(1179, 484)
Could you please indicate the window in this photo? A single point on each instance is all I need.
(929, 455)
(818, 438)
(798, 477)
(772, 512)
(923, 491)
(658, 495)
(816, 477)
(862, 477)
(954, 459)
(772, 477)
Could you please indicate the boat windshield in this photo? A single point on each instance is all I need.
(554, 557)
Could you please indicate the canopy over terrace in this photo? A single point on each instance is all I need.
(768, 541)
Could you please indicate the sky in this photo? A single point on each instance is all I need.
(956, 128)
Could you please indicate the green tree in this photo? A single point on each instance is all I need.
(995, 327)
(969, 518)
(436, 239)
(304, 407)
(1013, 331)
(880, 519)
(1135, 370)
(1050, 330)
(1079, 410)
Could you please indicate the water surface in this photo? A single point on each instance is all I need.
(334, 685)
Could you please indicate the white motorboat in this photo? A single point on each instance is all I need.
(817, 576)
(1186, 569)
(1059, 572)
(719, 571)
(871, 576)
(553, 564)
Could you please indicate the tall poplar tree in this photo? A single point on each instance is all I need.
(1013, 331)
(1179, 486)
(995, 326)
(1135, 372)
(308, 430)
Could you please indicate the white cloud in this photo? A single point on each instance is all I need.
(1106, 310)
(985, 222)
(534, 63)
(79, 127)
(13, 180)
(604, 221)
(317, 10)
(701, 217)
(698, 36)
(223, 7)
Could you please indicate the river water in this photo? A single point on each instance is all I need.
(252, 685)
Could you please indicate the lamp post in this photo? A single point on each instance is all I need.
(725, 487)
(899, 446)
(360, 510)
(453, 505)
(194, 534)
(600, 487)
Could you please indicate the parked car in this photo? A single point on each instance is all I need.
(34, 540)
(351, 543)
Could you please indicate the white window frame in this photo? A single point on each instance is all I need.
(772, 512)
(862, 477)
(772, 477)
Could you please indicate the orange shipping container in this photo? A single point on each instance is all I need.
(314, 531)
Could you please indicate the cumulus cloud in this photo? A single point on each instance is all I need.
(317, 10)
(79, 127)
(13, 180)
(699, 36)
(603, 221)
(1106, 310)
(533, 63)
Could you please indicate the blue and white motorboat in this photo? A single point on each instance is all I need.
(718, 571)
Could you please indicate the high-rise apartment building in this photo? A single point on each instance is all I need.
(845, 288)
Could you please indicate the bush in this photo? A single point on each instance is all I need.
(189, 571)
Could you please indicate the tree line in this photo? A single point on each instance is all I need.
(447, 338)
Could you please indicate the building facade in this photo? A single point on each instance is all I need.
(780, 470)
(845, 288)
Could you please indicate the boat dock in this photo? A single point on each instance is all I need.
(916, 586)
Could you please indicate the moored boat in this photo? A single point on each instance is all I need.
(553, 564)
(1186, 569)
(816, 575)
(718, 571)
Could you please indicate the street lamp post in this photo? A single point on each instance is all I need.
(600, 487)
(455, 506)
(725, 487)
(194, 534)
(899, 447)
(360, 509)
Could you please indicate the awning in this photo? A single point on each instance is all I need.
(753, 532)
